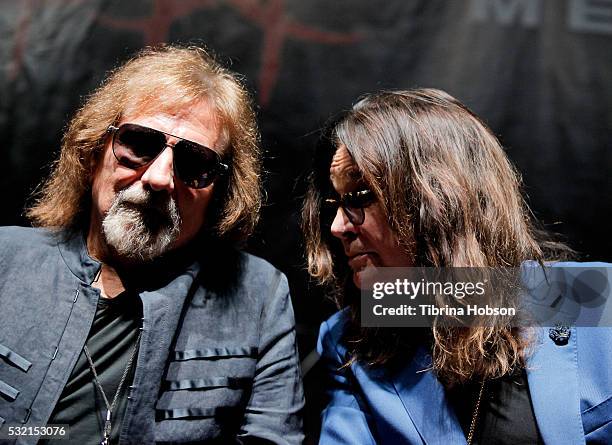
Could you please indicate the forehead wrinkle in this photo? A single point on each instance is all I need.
(342, 164)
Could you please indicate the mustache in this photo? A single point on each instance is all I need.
(143, 197)
(148, 202)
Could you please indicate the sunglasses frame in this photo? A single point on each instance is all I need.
(343, 202)
(220, 167)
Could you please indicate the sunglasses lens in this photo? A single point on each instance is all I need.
(328, 211)
(359, 199)
(135, 146)
(355, 215)
(197, 166)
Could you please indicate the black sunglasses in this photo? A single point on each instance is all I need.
(135, 146)
(353, 204)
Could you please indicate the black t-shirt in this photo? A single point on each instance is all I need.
(111, 342)
(506, 413)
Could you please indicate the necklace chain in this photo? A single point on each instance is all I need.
(475, 415)
(110, 407)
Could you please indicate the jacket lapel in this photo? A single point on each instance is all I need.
(424, 399)
(552, 375)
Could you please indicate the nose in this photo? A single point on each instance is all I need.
(341, 226)
(159, 175)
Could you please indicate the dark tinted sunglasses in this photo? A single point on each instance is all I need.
(135, 146)
(353, 204)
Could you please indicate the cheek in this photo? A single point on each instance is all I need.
(378, 235)
(392, 253)
(108, 179)
(385, 240)
(193, 205)
(102, 191)
(377, 229)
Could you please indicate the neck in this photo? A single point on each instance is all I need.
(109, 282)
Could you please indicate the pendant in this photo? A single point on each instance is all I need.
(107, 429)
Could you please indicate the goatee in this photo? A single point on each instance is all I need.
(141, 224)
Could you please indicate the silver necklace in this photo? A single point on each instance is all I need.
(475, 415)
(110, 407)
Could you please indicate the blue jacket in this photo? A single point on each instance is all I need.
(570, 387)
(217, 359)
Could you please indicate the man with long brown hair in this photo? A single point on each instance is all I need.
(415, 179)
(129, 314)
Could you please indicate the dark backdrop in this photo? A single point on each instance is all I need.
(537, 71)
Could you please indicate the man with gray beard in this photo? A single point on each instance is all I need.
(129, 314)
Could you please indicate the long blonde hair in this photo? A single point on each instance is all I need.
(165, 78)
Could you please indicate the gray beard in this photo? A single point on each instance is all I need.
(141, 224)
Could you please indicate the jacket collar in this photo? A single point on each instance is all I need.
(73, 249)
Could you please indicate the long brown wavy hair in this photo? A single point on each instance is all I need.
(452, 197)
(167, 79)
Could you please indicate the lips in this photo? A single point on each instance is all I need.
(359, 260)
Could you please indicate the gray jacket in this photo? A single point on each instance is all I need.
(217, 359)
